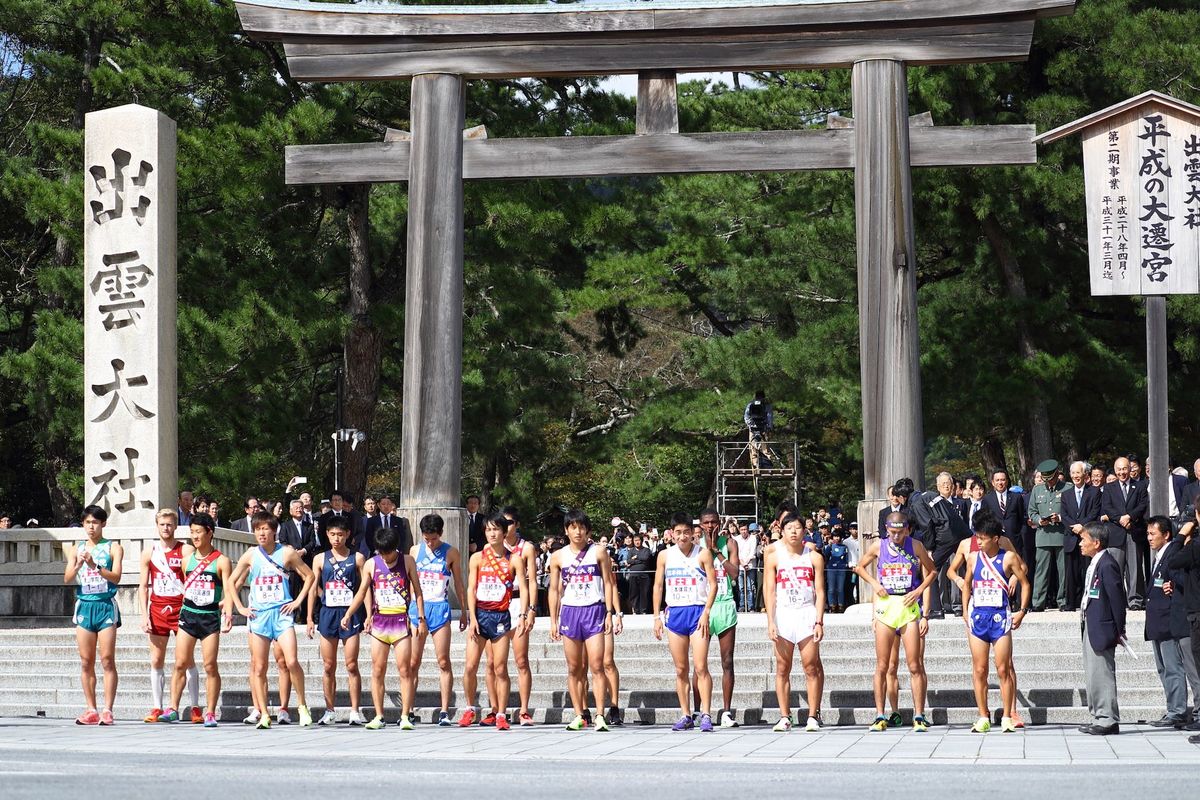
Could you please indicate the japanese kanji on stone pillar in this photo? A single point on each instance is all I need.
(129, 314)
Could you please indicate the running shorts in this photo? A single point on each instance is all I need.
(796, 624)
(580, 623)
(493, 624)
(684, 620)
(437, 614)
(329, 623)
(389, 628)
(271, 623)
(199, 624)
(722, 617)
(990, 624)
(96, 615)
(164, 617)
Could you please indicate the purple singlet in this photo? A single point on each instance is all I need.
(899, 569)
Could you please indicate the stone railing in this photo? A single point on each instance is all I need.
(31, 566)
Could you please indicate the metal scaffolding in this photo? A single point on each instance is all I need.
(741, 485)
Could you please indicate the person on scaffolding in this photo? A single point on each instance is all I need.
(760, 419)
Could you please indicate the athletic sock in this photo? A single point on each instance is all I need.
(156, 686)
(193, 685)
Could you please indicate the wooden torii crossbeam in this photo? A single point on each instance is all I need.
(438, 47)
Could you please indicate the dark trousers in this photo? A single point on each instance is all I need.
(639, 592)
(1194, 620)
(1142, 545)
(1028, 548)
(1076, 568)
(940, 591)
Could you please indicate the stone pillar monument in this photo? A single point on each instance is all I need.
(129, 369)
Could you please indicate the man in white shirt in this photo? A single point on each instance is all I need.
(747, 551)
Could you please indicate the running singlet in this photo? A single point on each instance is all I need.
(988, 587)
(93, 585)
(899, 568)
(433, 571)
(794, 587)
(339, 580)
(686, 581)
(390, 587)
(269, 586)
(166, 573)
(202, 590)
(493, 584)
(582, 583)
(518, 549)
(724, 582)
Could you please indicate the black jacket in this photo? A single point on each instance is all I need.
(299, 537)
(365, 542)
(1185, 568)
(1166, 617)
(1115, 505)
(1013, 518)
(1105, 612)
(941, 520)
(1078, 514)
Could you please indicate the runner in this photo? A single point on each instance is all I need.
(207, 611)
(582, 599)
(437, 563)
(339, 573)
(269, 617)
(989, 624)
(900, 580)
(160, 597)
(389, 588)
(95, 565)
(794, 591)
(685, 572)
(491, 575)
(522, 627)
(723, 618)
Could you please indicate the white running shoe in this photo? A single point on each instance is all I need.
(813, 724)
(356, 718)
(283, 717)
(328, 718)
(783, 726)
(253, 717)
(727, 720)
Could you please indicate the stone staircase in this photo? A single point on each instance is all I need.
(40, 673)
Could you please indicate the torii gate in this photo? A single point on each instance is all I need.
(439, 47)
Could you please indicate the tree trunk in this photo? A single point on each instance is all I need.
(992, 454)
(1039, 444)
(363, 346)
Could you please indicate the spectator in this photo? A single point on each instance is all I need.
(1184, 564)
(1103, 613)
(214, 509)
(760, 420)
(837, 560)
(1123, 506)
(1080, 507)
(1045, 514)
(243, 524)
(1008, 506)
(301, 537)
(185, 509)
(640, 564)
(1166, 624)
(475, 519)
(370, 508)
(5, 521)
(748, 549)
(855, 546)
(1097, 475)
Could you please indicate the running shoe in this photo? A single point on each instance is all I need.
(197, 716)
(406, 722)
(444, 719)
(252, 717)
(467, 719)
(685, 724)
(587, 717)
(601, 723)
(1016, 718)
(170, 715)
(356, 718)
(1007, 725)
(526, 719)
(210, 720)
(106, 717)
(89, 717)
(305, 717)
(727, 720)
(783, 726)
(813, 724)
(413, 718)
(375, 724)
(502, 722)
(982, 725)
(615, 717)
(153, 716)
(706, 725)
(328, 718)
(576, 724)
(283, 717)
(880, 724)
(264, 723)
(895, 721)
(489, 721)
(920, 724)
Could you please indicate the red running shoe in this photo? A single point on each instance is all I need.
(502, 722)
(467, 719)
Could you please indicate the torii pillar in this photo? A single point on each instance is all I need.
(889, 354)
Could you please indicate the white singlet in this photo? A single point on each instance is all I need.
(686, 581)
(795, 595)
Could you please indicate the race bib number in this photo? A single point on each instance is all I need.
(489, 589)
(338, 594)
(268, 589)
(683, 590)
(92, 582)
(389, 597)
(166, 585)
(202, 591)
(581, 587)
(433, 584)
(796, 586)
(896, 578)
(988, 593)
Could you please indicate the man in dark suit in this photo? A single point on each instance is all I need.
(475, 520)
(944, 528)
(386, 519)
(1190, 493)
(1167, 627)
(1080, 507)
(243, 524)
(338, 508)
(1125, 504)
(302, 537)
(1103, 614)
(892, 507)
(1009, 507)
(1184, 564)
